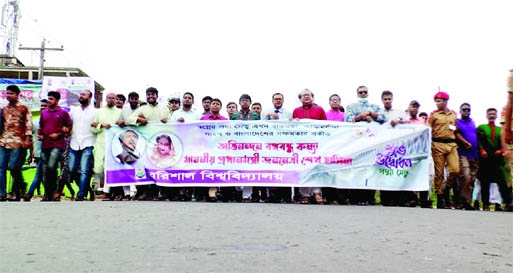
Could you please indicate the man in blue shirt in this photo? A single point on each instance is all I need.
(466, 133)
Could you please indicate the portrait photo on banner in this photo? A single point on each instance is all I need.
(164, 150)
(128, 146)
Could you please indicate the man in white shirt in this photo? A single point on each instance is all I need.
(186, 113)
(81, 144)
(277, 112)
(183, 115)
(394, 117)
(133, 104)
(278, 194)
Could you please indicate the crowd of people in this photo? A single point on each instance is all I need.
(74, 143)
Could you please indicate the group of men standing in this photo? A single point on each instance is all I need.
(458, 146)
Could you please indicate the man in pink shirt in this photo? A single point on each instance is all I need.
(334, 195)
(54, 125)
(334, 113)
(215, 107)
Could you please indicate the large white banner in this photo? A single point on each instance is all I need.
(270, 153)
(68, 87)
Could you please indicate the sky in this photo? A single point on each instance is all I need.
(226, 48)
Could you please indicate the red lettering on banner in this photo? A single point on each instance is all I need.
(337, 159)
(312, 147)
(234, 145)
(228, 159)
(205, 158)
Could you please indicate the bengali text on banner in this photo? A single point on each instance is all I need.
(270, 153)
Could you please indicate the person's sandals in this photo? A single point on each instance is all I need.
(305, 200)
(212, 194)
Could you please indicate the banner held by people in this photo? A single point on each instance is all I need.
(270, 153)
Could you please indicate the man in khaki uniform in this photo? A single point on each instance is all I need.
(444, 148)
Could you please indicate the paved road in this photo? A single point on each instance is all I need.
(205, 237)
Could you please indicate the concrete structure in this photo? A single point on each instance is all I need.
(12, 68)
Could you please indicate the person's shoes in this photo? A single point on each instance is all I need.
(486, 208)
(476, 205)
(13, 197)
(3, 198)
(106, 197)
(143, 197)
(468, 207)
(509, 207)
(212, 195)
(439, 203)
(27, 197)
(46, 199)
(272, 198)
(426, 204)
(305, 200)
(498, 207)
(56, 196)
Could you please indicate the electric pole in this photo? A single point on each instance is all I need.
(42, 50)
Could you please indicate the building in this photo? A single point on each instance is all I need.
(12, 68)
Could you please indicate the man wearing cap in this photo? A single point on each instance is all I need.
(468, 154)
(174, 105)
(443, 147)
(413, 111)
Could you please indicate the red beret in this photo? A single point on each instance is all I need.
(441, 95)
